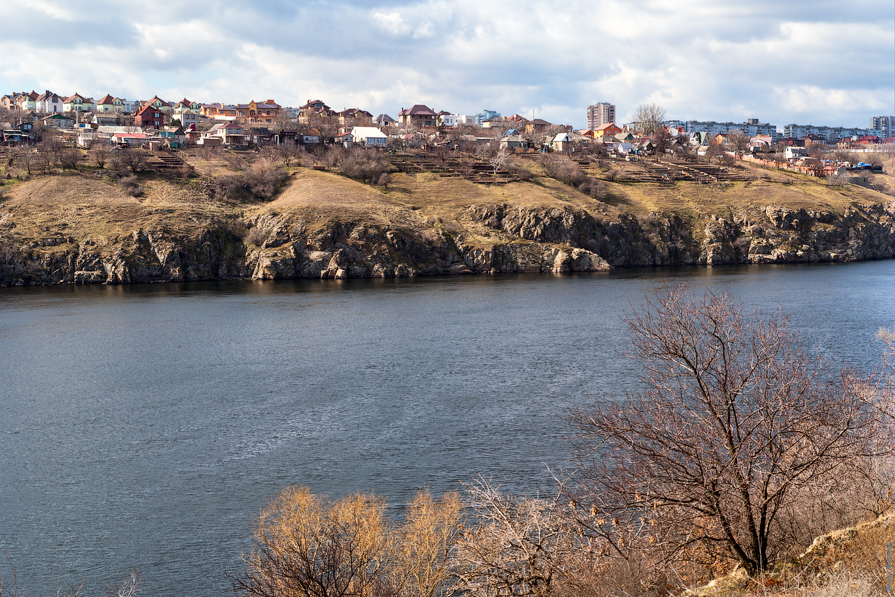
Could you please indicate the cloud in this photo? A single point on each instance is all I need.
(782, 62)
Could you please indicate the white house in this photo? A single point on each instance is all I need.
(562, 142)
(49, 102)
(368, 136)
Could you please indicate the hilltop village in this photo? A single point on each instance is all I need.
(83, 121)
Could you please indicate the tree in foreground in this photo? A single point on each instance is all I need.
(733, 422)
(309, 546)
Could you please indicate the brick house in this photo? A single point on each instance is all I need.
(419, 116)
(149, 117)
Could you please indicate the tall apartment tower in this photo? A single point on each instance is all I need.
(884, 124)
(600, 114)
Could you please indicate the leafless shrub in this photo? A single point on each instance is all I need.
(129, 587)
(263, 179)
(131, 186)
(310, 546)
(519, 546)
(256, 237)
(234, 161)
(363, 164)
(593, 187)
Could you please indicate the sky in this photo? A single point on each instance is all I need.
(782, 61)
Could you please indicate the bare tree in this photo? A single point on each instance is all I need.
(26, 157)
(649, 118)
(500, 159)
(133, 158)
(100, 153)
(733, 420)
(738, 142)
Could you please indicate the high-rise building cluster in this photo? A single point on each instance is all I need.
(884, 124)
(600, 114)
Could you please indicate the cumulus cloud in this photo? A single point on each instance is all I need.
(782, 62)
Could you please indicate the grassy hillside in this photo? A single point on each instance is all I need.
(92, 205)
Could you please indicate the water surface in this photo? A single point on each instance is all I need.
(143, 427)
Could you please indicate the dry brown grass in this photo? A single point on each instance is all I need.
(85, 207)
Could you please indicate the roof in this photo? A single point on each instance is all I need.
(130, 136)
(418, 110)
(385, 118)
(154, 98)
(106, 100)
(366, 132)
(68, 100)
(144, 108)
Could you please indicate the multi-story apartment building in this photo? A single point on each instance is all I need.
(600, 114)
(830, 133)
(883, 124)
(750, 128)
(484, 115)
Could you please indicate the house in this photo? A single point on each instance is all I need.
(187, 118)
(258, 112)
(562, 142)
(609, 130)
(315, 113)
(368, 136)
(761, 142)
(419, 116)
(186, 105)
(513, 142)
(310, 136)
(27, 101)
(536, 126)
(130, 139)
(77, 103)
(8, 101)
(792, 152)
(149, 117)
(58, 121)
(159, 104)
(49, 102)
(219, 111)
(106, 119)
(355, 117)
(229, 133)
(345, 139)
(259, 135)
(109, 104)
(624, 148)
(172, 136)
(384, 120)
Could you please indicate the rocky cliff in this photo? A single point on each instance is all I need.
(492, 238)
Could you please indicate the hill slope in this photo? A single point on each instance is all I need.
(82, 228)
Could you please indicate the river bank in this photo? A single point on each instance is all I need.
(85, 229)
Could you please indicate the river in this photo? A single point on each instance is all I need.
(143, 427)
